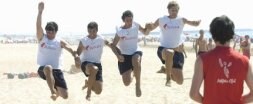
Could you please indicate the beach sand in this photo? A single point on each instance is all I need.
(19, 58)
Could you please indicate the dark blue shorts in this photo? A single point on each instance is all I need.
(127, 64)
(178, 58)
(99, 73)
(58, 77)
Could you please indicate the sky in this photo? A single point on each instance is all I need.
(72, 16)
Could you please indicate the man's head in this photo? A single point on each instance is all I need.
(173, 8)
(201, 31)
(51, 29)
(127, 17)
(222, 29)
(92, 28)
(246, 37)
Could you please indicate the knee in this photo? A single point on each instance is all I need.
(127, 82)
(65, 96)
(92, 70)
(169, 53)
(98, 91)
(136, 61)
(47, 69)
(180, 82)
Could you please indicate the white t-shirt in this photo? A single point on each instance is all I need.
(93, 49)
(128, 43)
(50, 52)
(171, 31)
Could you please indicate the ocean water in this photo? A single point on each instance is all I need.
(74, 38)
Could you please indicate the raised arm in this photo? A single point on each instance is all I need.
(197, 81)
(249, 97)
(192, 23)
(39, 30)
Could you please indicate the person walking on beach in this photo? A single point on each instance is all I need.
(245, 45)
(129, 54)
(169, 51)
(50, 56)
(222, 69)
(91, 48)
(201, 44)
(210, 44)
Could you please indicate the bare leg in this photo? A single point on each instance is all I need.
(62, 92)
(48, 71)
(136, 61)
(167, 55)
(177, 76)
(97, 87)
(85, 84)
(126, 77)
(92, 71)
(162, 70)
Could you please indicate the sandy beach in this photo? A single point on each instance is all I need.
(20, 58)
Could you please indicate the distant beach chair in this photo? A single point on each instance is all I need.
(21, 75)
(10, 76)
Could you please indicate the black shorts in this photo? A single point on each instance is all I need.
(178, 58)
(99, 73)
(201, 52)
(127, 64)
(58, 77)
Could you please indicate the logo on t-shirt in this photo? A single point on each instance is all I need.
(91, 47)
(171, 26)
(48, 46)
(225, 67)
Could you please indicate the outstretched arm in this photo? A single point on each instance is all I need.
(107, 43)
(66, 46)
(192, 23)
(143, 30)
(39, 30)
(115, 49)
(152, 26)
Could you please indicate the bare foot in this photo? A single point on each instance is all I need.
(88, 97)
(162, 70)
(168, 83)
(54, 96)
(85, 85)
(138, 90)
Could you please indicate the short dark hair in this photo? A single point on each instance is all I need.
(222, 29)
(126, 13)
(92, 25)
(172, 4)
(51, 26)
